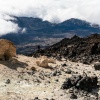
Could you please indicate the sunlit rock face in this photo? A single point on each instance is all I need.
(7, 49)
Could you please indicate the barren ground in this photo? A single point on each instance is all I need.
(26, 84)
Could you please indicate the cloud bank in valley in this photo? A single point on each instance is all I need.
(51, 10)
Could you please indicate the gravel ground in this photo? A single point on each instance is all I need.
(19, 82)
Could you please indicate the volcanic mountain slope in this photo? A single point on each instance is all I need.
(85, 50)
(35, 27)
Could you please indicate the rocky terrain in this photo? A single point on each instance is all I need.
(84, 50)
(23, 79)
(67, 70)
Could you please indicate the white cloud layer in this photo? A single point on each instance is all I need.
(51, 10)
(6, 26)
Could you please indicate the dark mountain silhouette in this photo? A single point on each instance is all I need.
(36, 27)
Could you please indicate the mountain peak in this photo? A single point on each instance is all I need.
(36, 27)
(75, 37)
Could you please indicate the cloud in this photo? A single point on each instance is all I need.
(51, 10)
(6, 26)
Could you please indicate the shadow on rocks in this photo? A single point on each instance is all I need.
(14, 64)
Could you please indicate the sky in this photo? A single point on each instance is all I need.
(51, 10)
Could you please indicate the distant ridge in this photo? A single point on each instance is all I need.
(36, 27)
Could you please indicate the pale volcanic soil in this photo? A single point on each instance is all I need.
(19, 80)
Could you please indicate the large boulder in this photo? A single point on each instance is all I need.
(7, 49)
(81, 82)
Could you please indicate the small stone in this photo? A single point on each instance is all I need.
(41, 77)
(36, 98)
(68, 71)
(7, 81)
(76, 72)
(97, 66)
(71, 90)
(48, 82)
(76, 91)
(63, 65)
(73, 96)
(55, 73)
(57, 80)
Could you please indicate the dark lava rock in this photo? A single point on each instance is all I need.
(36, 98)
(68, 71)
(64, 65)
(57, 80)
(85, 50)
(71, 90)
(8, 81)
(97, 66)
(56, 73)
(81, 82)
(73, 96)
(67, 84)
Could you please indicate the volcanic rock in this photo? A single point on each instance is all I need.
(73, 96)
(8, 81)
(85, 50)
(67, 84)
(97, 66)
(63, 65)
(81, 82)
(68, 71)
